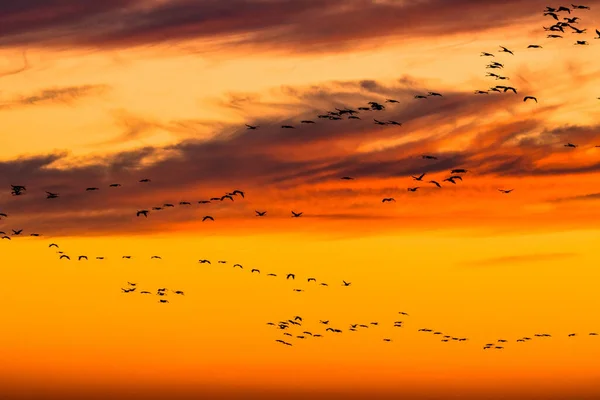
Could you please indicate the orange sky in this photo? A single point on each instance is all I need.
(94, 93)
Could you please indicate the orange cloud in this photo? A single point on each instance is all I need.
(279, 167)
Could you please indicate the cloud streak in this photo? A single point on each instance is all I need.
(518, 259)
(65, 95)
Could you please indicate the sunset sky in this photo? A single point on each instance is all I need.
(100, 92)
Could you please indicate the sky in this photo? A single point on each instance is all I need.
(114, 92)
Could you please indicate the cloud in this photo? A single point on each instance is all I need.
(308, 25)
(19, 70)
(64, 95)
(518, 259)
(583, 197)
(285, 169)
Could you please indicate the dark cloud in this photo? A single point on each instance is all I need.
(518, 259)
(308, 25)
(270, 162)
(55, 95)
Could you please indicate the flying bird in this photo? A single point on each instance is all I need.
(530, 98)
(505, 191)
(251, 126)
(260, 213)
(419, 178)
(388, 199)
(505, 50)
(142, 212)
(207, 217)
(296, 215)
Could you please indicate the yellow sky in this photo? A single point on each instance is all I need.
(464, 260)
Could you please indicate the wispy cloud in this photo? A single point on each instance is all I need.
(65, 95)
(518, 259)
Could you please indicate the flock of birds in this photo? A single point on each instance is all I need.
(290, 325)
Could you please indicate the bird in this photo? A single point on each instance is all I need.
(255, 270)
(505, 191)
(145, 180)
(505, 50)
(346, 178)
(207, 217)
(388, 199)
(296, 215)
(534, 46)
(419, 178)
(251, 126)
(581, 42)
(436, 183)
(292, 276)
(227, 196)
(204, 261)
(597, 33)
(484, 54)
(238, 265)
(114, 185)
(570, 145)
(434, 94)
(346, 283)
(530, 98)
(236, 192)
(50, 195)
(64, 256)
(82, 258)
(260, 213)
(458, 171)
(306, 121)
(143, 212)
(156, 257)
(92, 189)
(53, 245)
(287, 126)
(427, 157)
(413, 189)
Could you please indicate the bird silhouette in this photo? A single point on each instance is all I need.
(207, 217)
